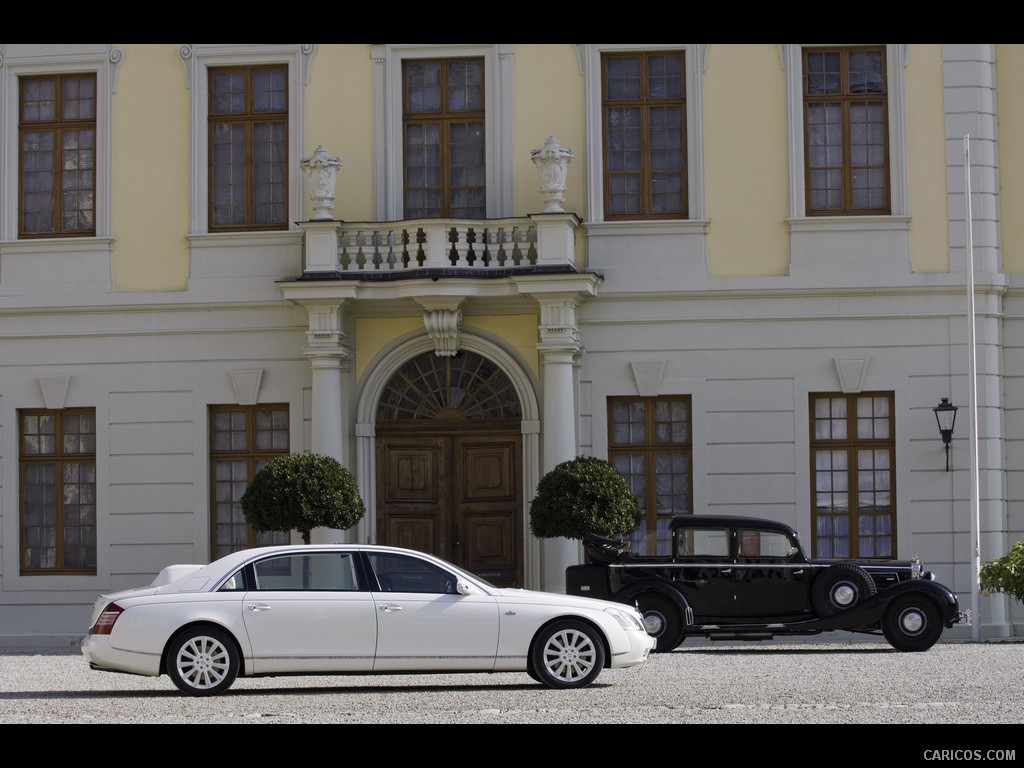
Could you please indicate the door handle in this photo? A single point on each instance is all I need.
(390, 608)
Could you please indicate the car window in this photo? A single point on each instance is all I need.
(765, 544)
(402, 573)
(703, 542)
(234, 583)
(320, 571)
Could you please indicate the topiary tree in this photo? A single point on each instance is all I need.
(1006, 573)
(300, 492)
(580, 496)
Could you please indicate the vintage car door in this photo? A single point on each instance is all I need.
(769, 578)
(702, 570)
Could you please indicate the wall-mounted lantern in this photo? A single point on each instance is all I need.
(945, 415)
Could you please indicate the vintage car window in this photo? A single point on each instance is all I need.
(321, 571)
(402, 573)
(703, 542)
(765, 544)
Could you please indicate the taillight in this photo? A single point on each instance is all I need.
(105, 623)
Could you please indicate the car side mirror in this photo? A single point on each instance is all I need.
(464, 587)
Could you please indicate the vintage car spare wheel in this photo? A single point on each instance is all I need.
(840, 587)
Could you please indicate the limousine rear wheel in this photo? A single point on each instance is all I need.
(203, 661)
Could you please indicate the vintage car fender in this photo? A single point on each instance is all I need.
(871, 610)
(634, 589)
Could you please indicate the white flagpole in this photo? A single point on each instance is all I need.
(973, 409)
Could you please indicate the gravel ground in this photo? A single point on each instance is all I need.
(700, 683)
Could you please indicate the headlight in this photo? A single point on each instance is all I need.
(628, 619)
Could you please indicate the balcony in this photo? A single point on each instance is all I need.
(542, 243)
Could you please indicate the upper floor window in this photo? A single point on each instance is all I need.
(444, 142)
(248, 146)
(853, 473)
(650, 443)
(57, 152)
(846, 130)
(57, 473)
(242, 440)
(444, 139)
(643, 99)
(247, 128)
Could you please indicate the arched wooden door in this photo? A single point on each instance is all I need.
(449, 464)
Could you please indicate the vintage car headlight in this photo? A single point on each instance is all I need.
(628, 619)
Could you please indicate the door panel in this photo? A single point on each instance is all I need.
(412, 485)
(456, 495)
(487, 505)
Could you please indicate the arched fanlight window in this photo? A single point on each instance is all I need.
(464, 387)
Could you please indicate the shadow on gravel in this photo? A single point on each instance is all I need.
(238, 692)
(787, 651)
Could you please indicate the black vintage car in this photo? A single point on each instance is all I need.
(744, 578)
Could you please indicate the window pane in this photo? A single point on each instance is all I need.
(846, 136)
(58, 492)
(644, 135)
(248, 151)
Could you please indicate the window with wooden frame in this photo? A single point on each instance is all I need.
(57, 475)
(57, 154)
(248, 146)
(644, 114)
(243, 438)
(650, 443)
(853, 475)
(443, 138)
(846, 146)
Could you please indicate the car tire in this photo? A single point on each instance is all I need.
(840, 587)
(661, 620)
(202, 661)
(567, 654)
(912, 623)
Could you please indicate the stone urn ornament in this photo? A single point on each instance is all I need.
(552, 161)
(322, 172)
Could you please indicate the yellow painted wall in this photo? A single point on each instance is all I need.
(1010, 112)
(373, 334)
(926, 159)
(549, 92)
(150, 165)
(339, 115)
(745, 160)
(518, 331)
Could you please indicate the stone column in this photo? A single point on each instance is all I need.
(558, 348)
(329, 360)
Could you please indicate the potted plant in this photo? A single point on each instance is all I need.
(580, 496)
(1005, 574)
(300, 492)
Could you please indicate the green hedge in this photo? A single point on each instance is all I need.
(300, 492)
(580, 496)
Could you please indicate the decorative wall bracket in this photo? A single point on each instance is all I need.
(444, 326)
